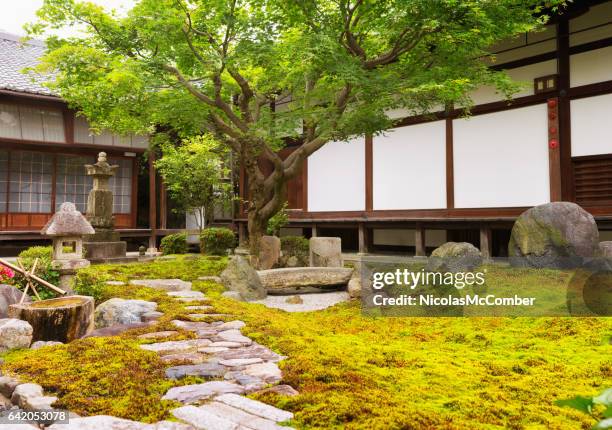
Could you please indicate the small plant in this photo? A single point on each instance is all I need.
(6, 274)
(174, 244)
(588, 404)
(294, 246)
(217, 240)
(279, 220)
(44, 268)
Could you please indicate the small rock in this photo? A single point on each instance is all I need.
(231, 325)
(118, 311)
(354, 288)
(216, 279)
(268, 372)
(14, 333)
(10, 295)
(199, 392)
(294, 300)
(206, 333)
(151, 316)
(5, 404)
(41, 344)
(185, 358)
(254, 407)
(283, 390)
(30, 397)
(234, 295)
(208, 369)
(7, 385)
(115, 283)
(176, 347)
(158, 335)
(213, 349)
(236, 362)
(454, 257)
(163, 284)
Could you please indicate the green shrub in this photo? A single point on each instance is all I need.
(217, 240)
(44, 269)
(294, 246)
(279, 220)
(174, 244)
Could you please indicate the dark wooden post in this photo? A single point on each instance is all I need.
(485, 242)
(314, 231)
(364, 243)
(152, 203)
(241, 233)
(419, 241)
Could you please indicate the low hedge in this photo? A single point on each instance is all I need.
(174, 244)
(217, 240)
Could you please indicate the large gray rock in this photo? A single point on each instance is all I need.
(605, 248)
(269, 252)
(304, 279)
(326, 252)
(241, 277)
(555, 235)
(454, 257)
(120, 311)
(9, 295)
(30, 397)
(14, 334)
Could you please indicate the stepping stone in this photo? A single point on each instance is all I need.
(213, 349)
(187, 294)
(205, 370)
(185, 357)
(163, 284)
(198, 308)
(190, 300)
(191, 325)
(226, 344)
(151, 316)
(170, 425)
(176, 347)
(239, 417)
(216, 279)
(206, 334)
(253, 351)
(282, 390)
(203, 420)
(115, 283)
(236, 362)
(233, 336)
(254, 407)
(232, 325)
(268, 372)
(100, 422)
(158, 335)
(198, 392)
(250, 383)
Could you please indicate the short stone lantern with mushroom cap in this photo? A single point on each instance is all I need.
(67, 228)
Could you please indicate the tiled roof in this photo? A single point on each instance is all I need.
(16, 56)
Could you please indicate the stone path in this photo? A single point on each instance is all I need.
(234, 364)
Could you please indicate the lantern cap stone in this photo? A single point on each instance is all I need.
(67, 222)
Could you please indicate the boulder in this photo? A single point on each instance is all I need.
(241, 277)
(297, 280)
(454, 257)
(557, 235)
(354, 288)
(605, 249)
(9, 295)
(14, 333)
(119, 311)
(326, 252)
(30, 397)
(235, 295)
(269, 252)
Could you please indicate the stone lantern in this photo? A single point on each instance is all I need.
(67, 228)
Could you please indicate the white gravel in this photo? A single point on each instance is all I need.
(312, 302)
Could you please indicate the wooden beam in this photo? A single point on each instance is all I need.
(152, 201)
(419, 241)
(564, 118)
(305, 185)
(485, 242)
(450, 165)
(369, 173)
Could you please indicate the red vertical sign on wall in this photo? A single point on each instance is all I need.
(554, 156)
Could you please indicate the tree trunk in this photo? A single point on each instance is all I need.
(63, 319)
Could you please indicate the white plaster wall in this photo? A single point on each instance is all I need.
(591, 125)
(409, 167)
(405, 237)
(501, 159)
(336, 177)
(591, 67)
(524, 75)
(599, 16)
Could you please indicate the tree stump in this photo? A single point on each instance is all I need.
(63, 319)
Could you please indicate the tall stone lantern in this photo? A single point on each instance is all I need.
(67, 228)
(105, 244)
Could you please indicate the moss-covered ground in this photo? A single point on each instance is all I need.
(352, 371)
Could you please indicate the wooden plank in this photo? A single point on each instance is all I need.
(152, 200)
(419, 241)
(450, 165)
(369, 173)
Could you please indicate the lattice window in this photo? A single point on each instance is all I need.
(31, 123)
(121, 184)
(30, 182)
(3, 179)
(72, 184)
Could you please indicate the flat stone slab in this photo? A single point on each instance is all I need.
(231, 325)
(254, 407)
(176, 347)
(115, 283)
(158, 334)
(253, 351)
(233, 336)
(203, 420)
(198, 392)
(236, 362)
(191, 325)
(226, 344)
(268, 372)
(304, 279)
(187, 294)
(241, 418)
(105, 422)
(213, 349)
(163, 284)
(199, 308)
(310, 302)
(209, 369)
(184, 357)
(216, 279)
